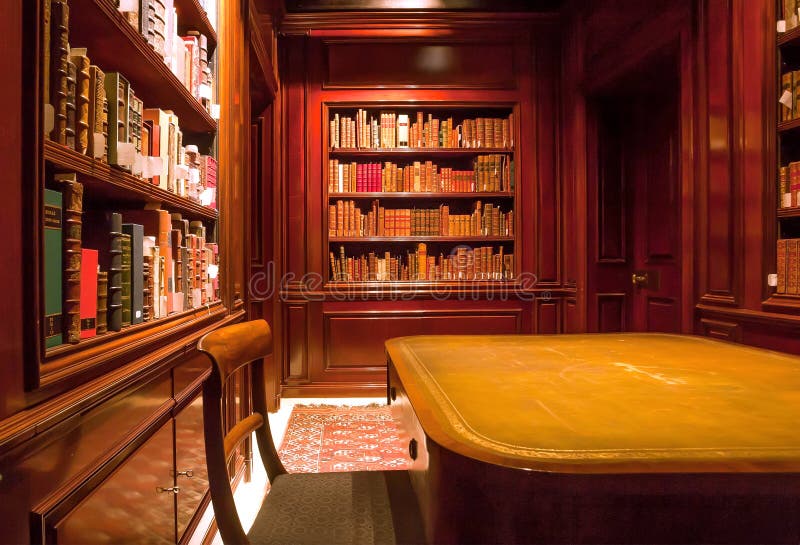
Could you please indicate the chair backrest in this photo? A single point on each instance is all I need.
(231, 348)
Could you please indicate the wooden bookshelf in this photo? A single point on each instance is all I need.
(116, 185)
(120, 48)
(791, 38)
(431, 239)
(428, 152)
(406, 195)
(793, 212)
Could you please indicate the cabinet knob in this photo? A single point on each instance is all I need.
(173, 489)
(189, 473)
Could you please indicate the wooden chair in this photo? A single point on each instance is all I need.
(360, 507)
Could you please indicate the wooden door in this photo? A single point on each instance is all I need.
(634, 218)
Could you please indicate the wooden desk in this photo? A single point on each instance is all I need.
(600, 438)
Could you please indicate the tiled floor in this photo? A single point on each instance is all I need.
(248, 496)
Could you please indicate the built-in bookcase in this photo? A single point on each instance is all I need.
(420, 193)
(126, 179)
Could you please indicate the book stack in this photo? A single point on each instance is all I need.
(345, 219)
(490, 173)
(790, 83)
(390, 130)
(788, 266)
(482, 263)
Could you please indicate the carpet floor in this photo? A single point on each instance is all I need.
(321, 438)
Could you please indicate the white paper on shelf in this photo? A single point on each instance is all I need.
(128, 5)
(207, 196)
(194, 175)
(142, 166)
(214, 111)
(126, 154)
(213, 270)
(787, 200)
(196, 297)
(786, 99)
(781, 26)
(181, 172)
(772, 280)
(156, 165)
(191, 148)
(49, 118)
(99, 148)
(204, 91)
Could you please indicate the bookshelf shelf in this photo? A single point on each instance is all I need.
(423, 239)
(789, 126)
(119, 186)
(422, 195)
(192, 16)
(789, 38)
(793, 212)
(407, 152)
(119, 47)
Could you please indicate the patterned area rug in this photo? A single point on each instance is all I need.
(321, 438)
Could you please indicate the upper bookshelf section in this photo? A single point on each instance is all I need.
(116, 46)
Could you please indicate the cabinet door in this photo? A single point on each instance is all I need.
(190, 456)
(126, 507)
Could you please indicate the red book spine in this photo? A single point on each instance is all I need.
(88, 293)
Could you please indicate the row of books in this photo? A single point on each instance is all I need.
(789, 188)
(483, 263)
(186, 56)
(98, 114)
(489, 173)
(790, 83)
(788, 265)
(104, 271)
(345, 219)
(388, 129)
(789, 13)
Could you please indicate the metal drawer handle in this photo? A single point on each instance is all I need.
(189, 473)
(173, 489)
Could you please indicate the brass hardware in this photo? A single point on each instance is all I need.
(189, 473)
(173, 489)
(412, 449)
(639, 279)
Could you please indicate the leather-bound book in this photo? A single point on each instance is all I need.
(82, 94)
(159, 137)
(176, 298)
(88, 293)
(72, 192)
(69, 139)
(126, 279)
(98, 115)
(781, 265)
(57, 71)
(135, 108)
(116, 87)
(147, 292)
(136, 232)
(53, 268)
(184, 257)
(102, 303)
(103, 232)
(152, 259)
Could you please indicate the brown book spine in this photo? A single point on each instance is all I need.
(69, 140)
(781, 266)
(791, 266)
(147, 287)
(72, 192)
(102, 302)
(58, 69)
(82, 92)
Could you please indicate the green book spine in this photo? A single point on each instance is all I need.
(126, 280)
(52, 267)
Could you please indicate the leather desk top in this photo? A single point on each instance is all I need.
(606, 403)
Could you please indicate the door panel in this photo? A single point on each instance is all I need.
(190, 456)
